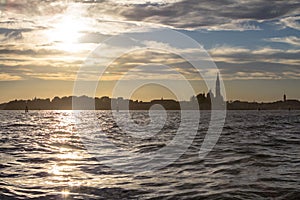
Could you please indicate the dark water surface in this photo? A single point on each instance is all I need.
(256, 157)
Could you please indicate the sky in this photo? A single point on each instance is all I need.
(255, 45)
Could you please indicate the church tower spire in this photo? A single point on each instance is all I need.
(218, 89)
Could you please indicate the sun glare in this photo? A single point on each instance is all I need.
(66, 32)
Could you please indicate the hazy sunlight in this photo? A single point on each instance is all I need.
(66, 32)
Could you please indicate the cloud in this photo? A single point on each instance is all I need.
(178, 14)
(291, 40)
(291, 22)
(195, 14)
(8, 77)
(261, 63)
(33, 7)
(92, 37)
(264, 54)
(30, 52)
(234, 63)
(230, 59)
(12, 34)
(143, 2)
(228, 50)
(42, 70)
(27, 23)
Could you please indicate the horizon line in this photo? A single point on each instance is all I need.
(161, 99)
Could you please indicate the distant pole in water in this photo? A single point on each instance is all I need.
(26, 109)
(258, 109)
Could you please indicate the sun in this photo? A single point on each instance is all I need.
(66, 32)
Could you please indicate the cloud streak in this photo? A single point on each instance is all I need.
(291, 40)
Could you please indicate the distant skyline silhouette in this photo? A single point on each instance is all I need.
(106, 103)
(204, 100)
(201, 97)
(245, 91)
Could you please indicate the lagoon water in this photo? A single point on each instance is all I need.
(43, 157)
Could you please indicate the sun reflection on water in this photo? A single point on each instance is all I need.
(55, 170)
(69, 156)
(65, 193)
(56, 160)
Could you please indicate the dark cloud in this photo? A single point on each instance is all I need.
(34, 7)
(30, 52)
(259, 10)
(15, 34)
(186, 14)
(195, 14)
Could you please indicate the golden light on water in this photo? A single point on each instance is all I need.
(56, 170)
(65, 193)
(69, 156)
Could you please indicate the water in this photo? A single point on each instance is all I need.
(43, 157)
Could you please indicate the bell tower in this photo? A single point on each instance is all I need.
(218, 89)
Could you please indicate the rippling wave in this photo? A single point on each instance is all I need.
(43, 157)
